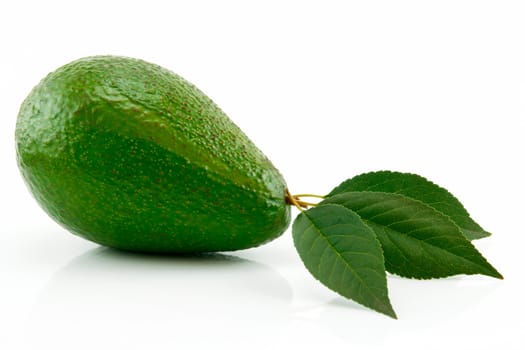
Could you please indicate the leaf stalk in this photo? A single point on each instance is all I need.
(297, 201)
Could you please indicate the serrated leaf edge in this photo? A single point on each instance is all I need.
(388, 309)
(496, 272)
(465, 232)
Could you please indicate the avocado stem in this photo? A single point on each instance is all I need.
(306, 204)
(309, 195)
(296, 200)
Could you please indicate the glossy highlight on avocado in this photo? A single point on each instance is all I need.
(132, 156)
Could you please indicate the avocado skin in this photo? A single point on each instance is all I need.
(132, 156)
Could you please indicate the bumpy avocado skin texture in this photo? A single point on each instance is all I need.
(132, 156)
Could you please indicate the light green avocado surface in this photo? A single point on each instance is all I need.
(130, 155)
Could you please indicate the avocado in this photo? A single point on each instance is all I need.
(130, 155)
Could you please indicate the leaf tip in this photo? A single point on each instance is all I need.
(385, 308)
(391, 313)
(493, 273)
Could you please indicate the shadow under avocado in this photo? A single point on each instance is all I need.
(198, 259)
(127, 272)
(112, 289)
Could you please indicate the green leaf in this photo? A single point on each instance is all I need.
(416, 187)
(417, 240)
(343, 253)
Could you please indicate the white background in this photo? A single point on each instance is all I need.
(327, 90)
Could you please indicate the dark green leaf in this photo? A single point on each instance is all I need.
(343, 253)
(418, 241)
(416, 187)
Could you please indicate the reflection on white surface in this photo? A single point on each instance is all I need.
(423, 307)
(109, 298)
(146, 300)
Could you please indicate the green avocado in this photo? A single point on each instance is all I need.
(130, 155)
